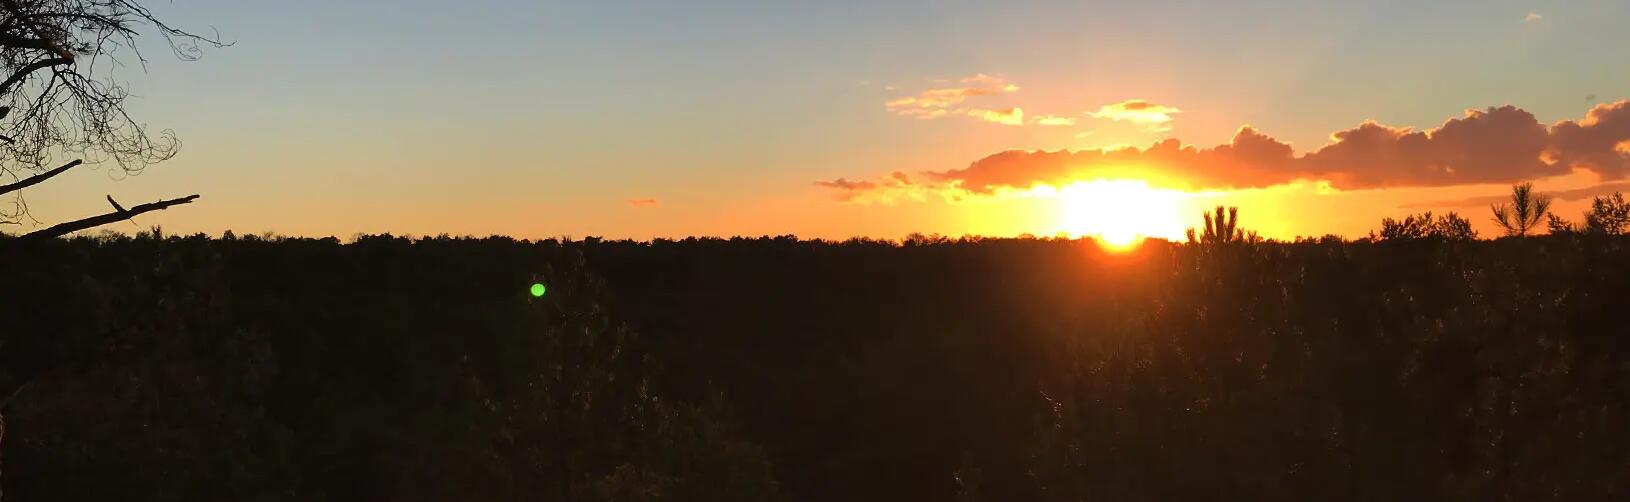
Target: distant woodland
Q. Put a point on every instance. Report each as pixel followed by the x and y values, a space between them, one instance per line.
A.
pixel 1408 367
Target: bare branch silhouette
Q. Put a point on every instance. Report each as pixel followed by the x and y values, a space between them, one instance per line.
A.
pixel 118 214
pixel 61 97
pixel 36 179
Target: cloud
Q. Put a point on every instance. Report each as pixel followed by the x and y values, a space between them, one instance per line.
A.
pixel 1010 116
pixel 642 202
pixel 1499 144
pixel 1138 111
pixel 886 190
pixel 1599 143
pixel 950 101
pixel 940 102
pixel 1502 144
pixel 1532 17
pixel 1251 159
pixel 1052 120
pixel 845 185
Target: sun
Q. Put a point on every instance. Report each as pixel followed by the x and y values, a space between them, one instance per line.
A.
pixel 1120 213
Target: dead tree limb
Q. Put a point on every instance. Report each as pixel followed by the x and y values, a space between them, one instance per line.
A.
pixel 36 179
pixel 66 228
pixel 26 70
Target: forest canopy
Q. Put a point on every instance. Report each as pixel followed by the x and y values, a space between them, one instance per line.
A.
pixel 751 369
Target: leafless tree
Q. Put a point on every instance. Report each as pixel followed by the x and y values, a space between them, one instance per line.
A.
pixel 62 105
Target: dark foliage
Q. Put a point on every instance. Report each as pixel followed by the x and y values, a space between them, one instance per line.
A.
pixel 191 369
pixel 1322 370
pixel 1425 226
pixel 1609 215
pixel 999 369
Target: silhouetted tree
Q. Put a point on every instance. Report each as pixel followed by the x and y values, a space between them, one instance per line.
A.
pixel 60 96
pixel 1447 227
pixel 1558 225
pixel 1608 215
pixel 1221 228
pixel 1411 227
pixel 1523 213
pixel 1453 227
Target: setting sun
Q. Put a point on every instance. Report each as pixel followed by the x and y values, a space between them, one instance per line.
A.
pixel 1119 213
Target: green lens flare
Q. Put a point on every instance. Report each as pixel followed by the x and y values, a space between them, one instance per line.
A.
pixel 538 290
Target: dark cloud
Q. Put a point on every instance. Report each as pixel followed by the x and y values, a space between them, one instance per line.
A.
pixel 1496 145
pixel 642 202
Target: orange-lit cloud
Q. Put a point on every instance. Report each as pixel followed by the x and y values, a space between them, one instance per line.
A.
pixel 1010 116
pixel 1599 143
pixel 642 202
pixel 1485 146
pixel 1053 120
pixel 1251 159
pixel 1532 17
pixel 1496 145
pixel 1156 116
pixel 934 103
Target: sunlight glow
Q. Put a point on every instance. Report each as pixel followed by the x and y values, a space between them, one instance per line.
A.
pixel 1120 213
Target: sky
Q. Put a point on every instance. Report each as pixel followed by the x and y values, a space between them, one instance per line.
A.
pixel 868 118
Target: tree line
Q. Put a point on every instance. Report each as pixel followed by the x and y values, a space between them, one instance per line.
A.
pixel 1520 217
pixel 1232 368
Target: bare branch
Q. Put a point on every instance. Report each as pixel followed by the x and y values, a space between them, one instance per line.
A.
pixel 36 179
pixel 22 73
pixel 62 229
pixel 60 63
